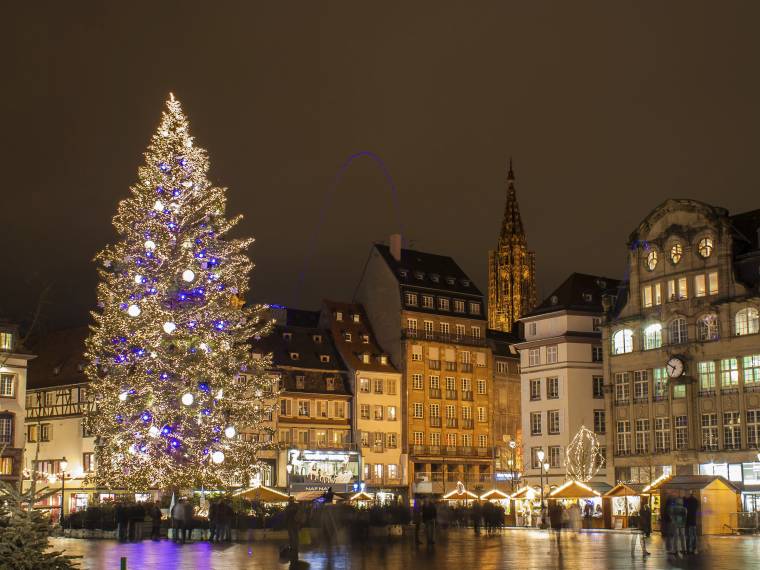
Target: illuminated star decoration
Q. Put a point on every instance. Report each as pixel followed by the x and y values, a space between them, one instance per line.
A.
pixel 584 456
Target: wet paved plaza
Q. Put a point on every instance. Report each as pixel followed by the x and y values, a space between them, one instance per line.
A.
pixel 458 550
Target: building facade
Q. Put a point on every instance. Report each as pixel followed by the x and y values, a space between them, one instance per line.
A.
pixel 430 316
pixel 562 377
pixel 313 424
pixel 14 359
pixel 682 348
pixel 376 404
pixel 511 268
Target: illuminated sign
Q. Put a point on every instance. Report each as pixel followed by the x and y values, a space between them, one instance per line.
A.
pixel 318 469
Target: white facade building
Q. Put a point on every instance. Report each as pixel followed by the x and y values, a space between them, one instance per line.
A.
pixel 561 376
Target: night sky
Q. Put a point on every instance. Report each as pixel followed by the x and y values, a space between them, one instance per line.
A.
pixel 608 108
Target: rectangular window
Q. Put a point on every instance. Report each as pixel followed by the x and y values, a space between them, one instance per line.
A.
pixel 6 341
pixel 551 354
pixel 534 460
pixel 660 378
pixel 392 440
pixel 552 388
pixel 731 430
pixel 31 433
pixel 378 471
pixel 303 408
pixel 662 435
pixel 700 286
pixel 378 385
pixel 532 328
pixel 364 385
pixel 729 373
pixel 623 438
pixel 466 385
pixel 622 388
pixel 646 296
pixel 417 353
pixel 6 465
pixel 392 413
pixel 751 365
pixel 451 439
pixel 419 438
pixel 596 324
pixel 435 383
pixel 481 387
pixel 451 383
pixel 364 411
pixel 417 382
pixel 417 410
pixel 411 299
pixel 482 441
pixel 501 367
pixel 710 432
pixel 340 409
pixel 411 327
pixel 753 428
pixel 552 418
pixel 443 328
pixel 706 373
pixel 534 357
pixel 451 411
pixel 682 432
pixel 555 456
pixel 460 331
pixel 379 412
pixel 640 385
pixel 597 383
pixel 475 332
pixel 458 306
pixel 435 439
pixel 330 384
pixel 642 435
pixel 428 329
pixel 286 407
pixel 391 385
pixel 435 410
pixel 427 301
pixel 535 423
pixel 474 308
pixel 466 412
pixel 88 462
pixel 535 389
pixel 443 303
pixel 600 422
pixel 7 385
pixel 482 414
pixel 712 283
pixel 597 354
pixel 467 440
pixel 6 430
pixel 679 391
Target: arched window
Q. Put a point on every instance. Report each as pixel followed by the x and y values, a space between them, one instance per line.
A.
pixel 653 336
pixel 622 341
pixel 678 331
pixel 705 247
pixel 747 321
pixel 676 252
pixel 652 259
pixel 707 328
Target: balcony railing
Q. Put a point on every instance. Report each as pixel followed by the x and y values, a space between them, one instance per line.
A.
pixel 465 366
pixel 451 366
pixel 434 364
pixel 451 394
pixel 641 400
pixel 467 395
pixel 459 451
pixel 467 424
pixel 752 387
pixel 435 393
pixel 435 422
pixel 730 390
pixel 622 402
pixel 707 393
pixel 451 422
pixel 444 337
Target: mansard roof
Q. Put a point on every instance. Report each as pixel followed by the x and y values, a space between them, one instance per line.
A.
pixel 579 292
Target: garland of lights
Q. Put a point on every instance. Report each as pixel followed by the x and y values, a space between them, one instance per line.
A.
pixel 584 456
pixel 170 367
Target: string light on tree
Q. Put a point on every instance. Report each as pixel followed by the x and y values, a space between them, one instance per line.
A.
pixel 158 379
pixel 584 456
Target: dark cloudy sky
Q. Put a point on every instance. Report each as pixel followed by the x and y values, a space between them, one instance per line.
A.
pixel 607 107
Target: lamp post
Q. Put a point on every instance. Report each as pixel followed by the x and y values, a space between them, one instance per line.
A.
pixel 63 465
pixel 288 470
pixel 512 446
pixel 540 456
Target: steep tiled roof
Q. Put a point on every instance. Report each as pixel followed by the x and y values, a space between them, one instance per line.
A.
pixel 60 359
pixel 579 292
pixel 746 226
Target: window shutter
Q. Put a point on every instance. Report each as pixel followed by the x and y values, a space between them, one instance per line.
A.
pixel 433 353
pixel 450 355
pixel 481 358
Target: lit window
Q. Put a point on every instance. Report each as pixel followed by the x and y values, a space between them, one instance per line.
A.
pixel 653 336
pixel 747 321
pixel 676 252
pixel 356 317
pixel 474 308
pixel 622 341
pixel 729 373
pixel 551 354
pixel 6 341
pixel 411 299
pixel 706 374
pixel 534 357
pixel 705 247
pixel 7 385
pixel 443 303
pixel 678 331
pixel 651 260
pixel 646 296
pixel 751 369
pixel 707 328
pixel 427 301
pixel 417 383
pixel 700 286
pixel 458 306
pixel 535 389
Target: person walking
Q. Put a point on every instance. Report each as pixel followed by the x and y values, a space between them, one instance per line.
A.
pixel 555 518
pixel 678 521
pixel 644 530
pixel 213 520
pixel 666 524
pixel 476 512
pixel 574 519
pixel 187 529
pixel 122 518
pixel 417 519
pixel 155 518
pixel 692 514
pixel 293 523
pixel 429 516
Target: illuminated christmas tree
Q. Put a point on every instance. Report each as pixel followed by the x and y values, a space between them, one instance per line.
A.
pixel 169 361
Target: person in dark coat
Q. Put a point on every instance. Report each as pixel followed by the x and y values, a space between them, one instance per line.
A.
pixel 476 513
pixel 555 518
pixel 213 521
pixel 429 516
pixel 417 519
pixel 122 521
pixel 666 524
pixel 293 522
pixel 155 517
pixel 645 530
pixel 692 514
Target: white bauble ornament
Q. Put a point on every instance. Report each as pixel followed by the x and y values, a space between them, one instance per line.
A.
pixel 169 327
pixel 188 399
pixel 138 279
pixel 123 396
pixel 154 431
pixel 150 245
pixel 217 457
pixel 188 275
pixel 133 311
pixel 230 431
pixel 158 206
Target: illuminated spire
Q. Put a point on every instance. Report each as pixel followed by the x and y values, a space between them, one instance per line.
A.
pixel 512 226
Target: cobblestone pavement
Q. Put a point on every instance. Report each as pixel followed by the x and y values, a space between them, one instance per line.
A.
pixel 458 550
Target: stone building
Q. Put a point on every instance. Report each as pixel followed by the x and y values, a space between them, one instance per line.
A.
pixel 430 316
pixel 682 350
pixel 376 404
pixel 511 268
pixel 562 377
pixel 14 359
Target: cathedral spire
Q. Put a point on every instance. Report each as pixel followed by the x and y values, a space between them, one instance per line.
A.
pixel 512 225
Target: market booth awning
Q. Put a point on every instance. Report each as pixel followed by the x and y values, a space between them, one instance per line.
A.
pixel 654 486
pixel 523 492
pixel 494 494
pixel 263 494
pixel 573 490
pixel 626 490
pixel 361 496
pixel 460 495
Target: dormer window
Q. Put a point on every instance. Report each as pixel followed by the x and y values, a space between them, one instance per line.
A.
pixel 411 299
pixel 435 278
pixel 338 316
pixel 294 356
pixel 324 358
pixel 403 273
pixel 6 341
pixel 330 383
pixel 450 280
pixel 365 358
pixel 347 337
pixel 443 303
pixel 317 338
pixel 419 275
pixel 427 301
pixel 384 360
pixel 365 339
pixel 287 336
pixel 588 297
pixel 458 306
pixel 356 317
pixel 300 382
pixel 465 282
pixel 705 247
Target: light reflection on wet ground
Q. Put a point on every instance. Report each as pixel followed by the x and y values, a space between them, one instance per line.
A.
pixel 458 550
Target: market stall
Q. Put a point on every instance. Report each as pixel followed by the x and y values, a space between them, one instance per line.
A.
pixel 498 497
pixel 362 499
pixel 576 493
pixel 718 500
pixel 652 491
pixel 527 506
pixel 460 496
pixel 623 502
pixel 263 494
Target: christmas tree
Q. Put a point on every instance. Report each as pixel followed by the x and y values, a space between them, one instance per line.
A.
pixel 169 361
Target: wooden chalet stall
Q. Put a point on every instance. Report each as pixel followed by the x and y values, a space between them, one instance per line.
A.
pixel 574 492
pixel 719 500
pixel 622 504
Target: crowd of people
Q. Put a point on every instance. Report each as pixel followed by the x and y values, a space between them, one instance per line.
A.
pixel 131 518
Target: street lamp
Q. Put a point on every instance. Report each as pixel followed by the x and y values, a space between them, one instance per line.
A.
pixel 63 465
pixel 288 469
pixel 512 446
pixel 540 456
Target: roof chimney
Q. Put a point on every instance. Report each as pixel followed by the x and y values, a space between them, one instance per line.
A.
pixel 396 246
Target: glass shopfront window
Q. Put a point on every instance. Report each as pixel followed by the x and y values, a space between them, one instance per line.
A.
pixel 730 471
pixel 751 472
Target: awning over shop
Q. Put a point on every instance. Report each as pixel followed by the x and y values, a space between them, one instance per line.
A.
pixel 625 490
pixel 573 490
pixel 263 494
pixel 524 492
pixel 361 496
pixel 494 494
pixel 654 486
pixel 460 495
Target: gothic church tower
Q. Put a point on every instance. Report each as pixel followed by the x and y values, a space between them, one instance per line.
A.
pixel 511 268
